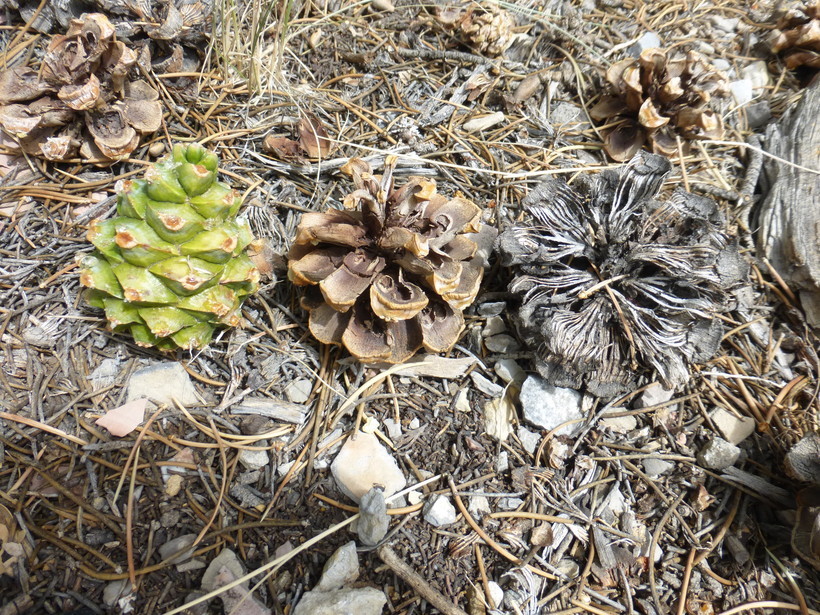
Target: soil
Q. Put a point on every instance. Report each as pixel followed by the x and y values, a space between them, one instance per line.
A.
pixel 573 521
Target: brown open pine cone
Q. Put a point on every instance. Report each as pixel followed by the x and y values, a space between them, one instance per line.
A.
pixel 657 97
pixel 797 36
pixel 394 270
pixel 80 101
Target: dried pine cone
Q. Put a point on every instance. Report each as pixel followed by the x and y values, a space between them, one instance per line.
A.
pixel 485 28
pixel 797 36
pixel 616 285
pixel 81 99
pixel 657 97
pixel 394 271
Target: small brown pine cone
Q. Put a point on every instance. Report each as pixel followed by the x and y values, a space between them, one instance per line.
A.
pixel 392 272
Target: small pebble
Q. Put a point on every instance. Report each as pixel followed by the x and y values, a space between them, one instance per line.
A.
pixel 486 386
pixel 733 428
pixel 478 506
pixel 493 326
pixel 509 370
pixel 374 521
pixel 655 467
pixel 718 454
pixel 255 459
pixel 529 440
pixel 648 40
pixel 341 568
pixel 363 463
pixel 462 403
pixel 174 485
pixel 298 391
pixel 492 308
pixel 502 343
pixel 162 383
pixel 547 407
pixel 439 511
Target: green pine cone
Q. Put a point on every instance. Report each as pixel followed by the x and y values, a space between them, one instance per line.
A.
pixel 172 266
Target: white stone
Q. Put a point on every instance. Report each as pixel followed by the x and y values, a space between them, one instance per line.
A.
pixel 181 545
pixel 393 428
pixel 566 113
pixel 493 326
pixel 298 391
pixel 529 439
pixel 615 501
pixel 734 429
pixel 162 383
pixel 648 40
pixel 341 568
pixel 414 423
pixel 722 65
pixel 619 424
pixel 756 72
pixel 546 406
pixel 656 467
pixel 225 559
pixel 255 459
pixel 348 601
pixel 496 593
pixel 654 395
pixel 462 403
pixel 509 370
pixel 478 506
pixel 440 511
pixel 284 468
pixel 502 343
pixel 498 417
pixel 493 308
pixel 114 590
pixel 502 464
pixel 510 503
pixel 414 497
pixel 364 463
pixel 741 91
pixel 718 454
pixel 486 386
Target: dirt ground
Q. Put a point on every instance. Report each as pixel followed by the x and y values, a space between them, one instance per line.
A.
pixel 576 524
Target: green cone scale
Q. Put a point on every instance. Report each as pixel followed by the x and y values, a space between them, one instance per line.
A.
pixel 172 266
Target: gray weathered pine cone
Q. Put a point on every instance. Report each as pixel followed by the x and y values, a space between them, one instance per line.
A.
pixel 617 286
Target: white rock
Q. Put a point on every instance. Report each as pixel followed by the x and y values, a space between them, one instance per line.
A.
pixel 298 391
pixel 360 601
pixel 383 5
pixel 393 428
pixel 722 65
pixel 462 403
pixel 226 559
pixel 478 506
pixel 718 454
pixel 727 24
pixel 364 463
pixel 284 468
pixel 653 395
pixel 656 467
pixel 161 384
pixel 414 497
pixel 486 386
pixel 529 439
pixel 341 568
pixel 649 40
pixel 756 72
pixel 414 423
pixel 615 501
pixel 566 113
pixel 483 122
pixel 192 564
pixel 741 91
pixel 499 414
pixel 510 503
pixel 180 544
pixel 734 429
pixel 619 424
pixel 546 406
pixel 254 460
pixel 496 593
pixel 509 370
pixel 493 326
pixel 114 590
pixel 502 464
pixel 440 511
pixel 502 343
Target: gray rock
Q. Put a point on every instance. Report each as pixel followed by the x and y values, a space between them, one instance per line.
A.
pixel 758 114
pixel 493 308
pixel 546 406
pixel 529 439
pixel 510 503
pixel 182 545
pixel 253 460
pixel 115 590
pixel 298 391
pixel 341 569
pixel 502 464
pixel 649 40
pixel 226 559
pixel 361 601
pixel 478 506
pixel 566 113
pixel 439 511
pixel 656 467
pixel 374 520
pixel 364 463
pixel 653 395
pixel 162 384
pixel 493 326
pixel 619 424
pixel 486 386
pixel 718 454
pixel 502 343
pixel 509 370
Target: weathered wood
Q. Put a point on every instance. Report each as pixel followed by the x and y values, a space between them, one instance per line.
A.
pixel 789 215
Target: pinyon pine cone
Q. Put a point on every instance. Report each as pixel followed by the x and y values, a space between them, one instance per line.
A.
pixel 616 285
pixel 80 100
pixel 172 266
pixel 394 270
pixel 656 97
pixel 485 28
pixel 797 36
